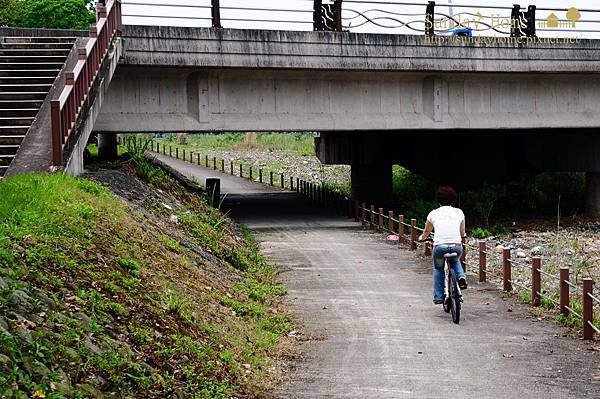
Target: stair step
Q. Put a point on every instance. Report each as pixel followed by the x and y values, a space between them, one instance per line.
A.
pixel 5 160
pixel 27 80
pixel 31 65
pixel 29 72
pixel 20 95
pixel 9 59
pixel 18 112
pixel 9 149
pixel 25 88
pixel 16 104
pixel 14 139
pixel 34 52
pixel 16 121
pixel 37 46
pixel 39 39
pixel 13 130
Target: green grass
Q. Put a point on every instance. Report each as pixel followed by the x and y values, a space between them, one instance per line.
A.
pixel 98 299
pixel 297 143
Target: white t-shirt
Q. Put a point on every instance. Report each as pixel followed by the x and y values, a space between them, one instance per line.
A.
pixel 446 222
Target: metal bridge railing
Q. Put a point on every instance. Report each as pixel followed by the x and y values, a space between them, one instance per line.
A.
pixel 375 16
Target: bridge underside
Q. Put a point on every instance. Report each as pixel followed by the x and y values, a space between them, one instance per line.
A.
pixel 146 99
pixel 465 158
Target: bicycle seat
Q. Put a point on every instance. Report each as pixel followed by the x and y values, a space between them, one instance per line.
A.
pixel 451 255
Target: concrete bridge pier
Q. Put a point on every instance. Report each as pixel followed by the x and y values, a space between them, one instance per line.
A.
pixel 592 195
pixel 107 146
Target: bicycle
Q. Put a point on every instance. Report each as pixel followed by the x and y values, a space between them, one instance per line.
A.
pixel 452 293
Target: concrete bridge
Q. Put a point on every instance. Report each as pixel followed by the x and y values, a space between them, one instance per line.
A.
pixel 477 110
pixel 456 110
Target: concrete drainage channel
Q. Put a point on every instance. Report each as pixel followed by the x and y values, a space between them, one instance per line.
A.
pixel 571 296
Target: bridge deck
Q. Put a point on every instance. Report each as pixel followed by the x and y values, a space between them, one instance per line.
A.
pixel 383 336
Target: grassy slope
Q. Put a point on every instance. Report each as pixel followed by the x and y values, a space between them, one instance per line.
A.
pixel 98 297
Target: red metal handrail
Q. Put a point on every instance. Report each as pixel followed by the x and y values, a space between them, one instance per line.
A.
pixel 78 83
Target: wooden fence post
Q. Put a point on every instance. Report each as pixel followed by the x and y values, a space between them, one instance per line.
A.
pixel 260 175
pixel 400 228
pixel 390 222
pixel 380 214
pixel 482 261
pixel 413 234
pixel 372 216
pixel 536 281
pixel 588 309
pixel 564 291
pixel 507 270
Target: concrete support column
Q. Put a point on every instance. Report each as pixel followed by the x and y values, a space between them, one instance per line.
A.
pixel 592 195
pixel 107 146
pixel 372 183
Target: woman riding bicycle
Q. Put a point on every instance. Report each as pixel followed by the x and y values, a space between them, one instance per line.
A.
pixel 448 223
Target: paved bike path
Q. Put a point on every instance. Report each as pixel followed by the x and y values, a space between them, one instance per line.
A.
pixel 382 337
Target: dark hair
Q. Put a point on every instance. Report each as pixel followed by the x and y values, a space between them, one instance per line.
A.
pixel 445 195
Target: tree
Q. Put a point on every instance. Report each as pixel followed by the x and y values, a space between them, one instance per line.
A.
pixel 10 10
pixel 56 14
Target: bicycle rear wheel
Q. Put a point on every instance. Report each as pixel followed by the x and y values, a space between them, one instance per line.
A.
pixel 454 298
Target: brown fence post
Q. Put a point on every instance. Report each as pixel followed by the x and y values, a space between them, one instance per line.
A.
pixel 380 214
pixel 588 308
pixel 223 165
pixel 197 157
pixel 191 157
pixel 482 261
pixel 177 152
pixel 364 213
pixel 206 161
pixel 356 210
pixel 215 163
pixel 251 175
pixel 241 170
pixel 183 154
pixel 260 175
pixel 400 228
pixel 536 281
pixel 507 270
pixel 282 180
pixel 463 256
pixel 297 184
pixel 390 222
pixel 291 183
pixel 413 234
pixel 170 151
pixel 372 216
pixel 271 178
pixel 564 291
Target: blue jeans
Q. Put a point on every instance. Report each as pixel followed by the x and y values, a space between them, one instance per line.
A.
pixel 438 267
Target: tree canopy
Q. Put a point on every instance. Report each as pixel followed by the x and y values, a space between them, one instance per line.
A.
pixel 10 11
pixel 54 14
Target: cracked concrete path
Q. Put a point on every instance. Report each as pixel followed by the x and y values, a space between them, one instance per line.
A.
pixel 371 302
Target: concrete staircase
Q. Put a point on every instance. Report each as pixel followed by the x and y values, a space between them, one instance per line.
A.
pixel 28 68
